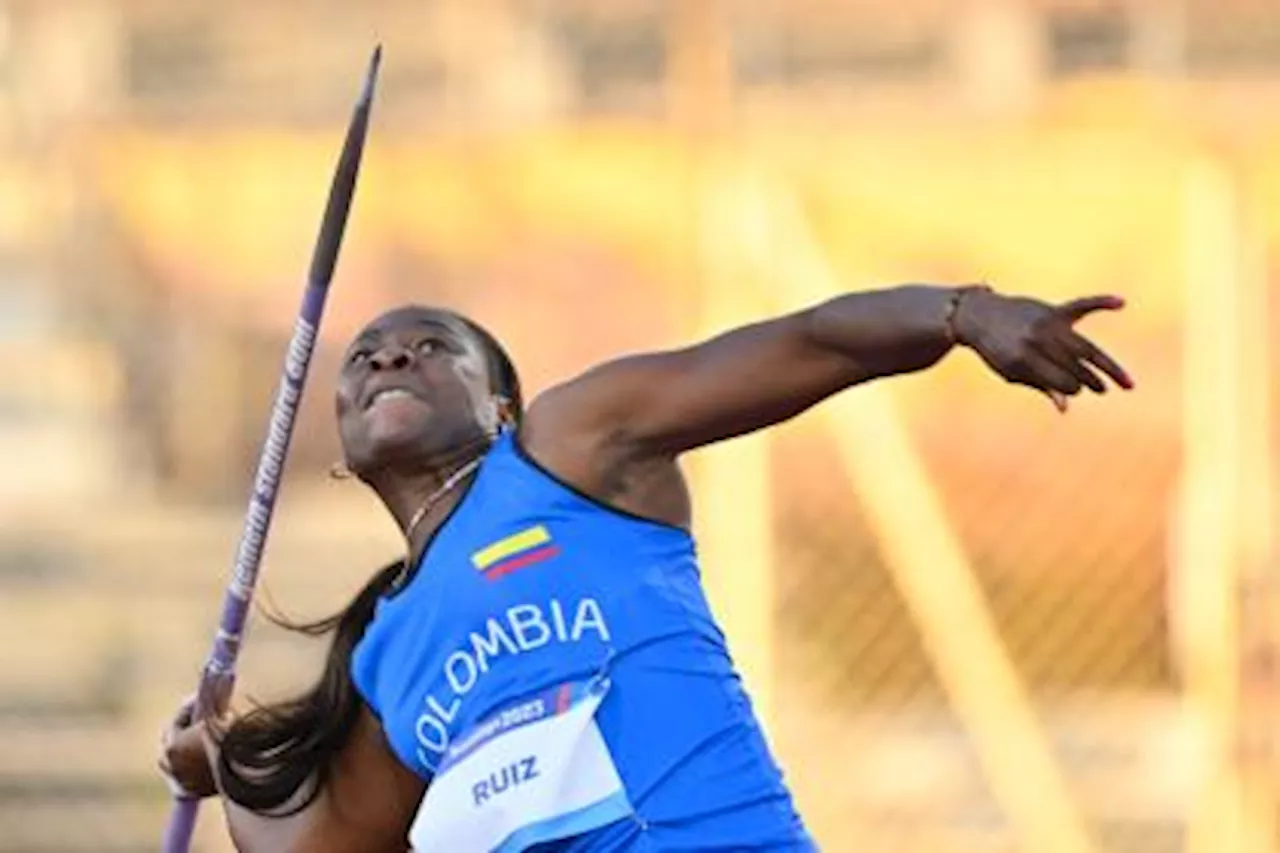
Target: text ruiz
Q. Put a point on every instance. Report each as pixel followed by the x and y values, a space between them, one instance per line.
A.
pixel 522 628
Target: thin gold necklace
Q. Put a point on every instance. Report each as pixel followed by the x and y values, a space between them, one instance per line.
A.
pixel 432 499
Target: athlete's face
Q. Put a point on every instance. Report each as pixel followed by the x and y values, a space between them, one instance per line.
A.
pixel 414 385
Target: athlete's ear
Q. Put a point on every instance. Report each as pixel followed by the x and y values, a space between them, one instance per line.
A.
pixel 504 413
pixel 498 414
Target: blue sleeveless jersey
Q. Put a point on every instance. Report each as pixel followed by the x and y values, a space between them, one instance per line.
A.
pixel 529 584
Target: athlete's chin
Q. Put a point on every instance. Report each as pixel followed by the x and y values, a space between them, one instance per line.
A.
pixel 389 447
pixel 396 427
pixel 387 442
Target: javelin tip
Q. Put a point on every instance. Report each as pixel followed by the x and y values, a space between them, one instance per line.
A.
pixel 344 181
pixel 371 78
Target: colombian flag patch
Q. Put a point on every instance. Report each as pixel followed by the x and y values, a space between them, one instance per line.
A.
pixel 529 546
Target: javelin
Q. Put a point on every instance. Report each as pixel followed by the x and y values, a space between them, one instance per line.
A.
pixel 220 667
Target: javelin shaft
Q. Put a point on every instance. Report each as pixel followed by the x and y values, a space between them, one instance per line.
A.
pixel 266 482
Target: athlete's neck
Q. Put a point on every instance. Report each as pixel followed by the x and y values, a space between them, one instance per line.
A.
pixel 405 489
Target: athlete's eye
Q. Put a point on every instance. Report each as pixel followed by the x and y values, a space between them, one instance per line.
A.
pixel 358 357
pixel 431 346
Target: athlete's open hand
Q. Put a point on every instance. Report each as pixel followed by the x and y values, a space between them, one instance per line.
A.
pixel 1033 343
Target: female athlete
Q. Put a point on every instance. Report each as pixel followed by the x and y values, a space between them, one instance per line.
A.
pixel 543 671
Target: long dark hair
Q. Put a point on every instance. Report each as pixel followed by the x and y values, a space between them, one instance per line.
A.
pixel 267 755
pixel 270 755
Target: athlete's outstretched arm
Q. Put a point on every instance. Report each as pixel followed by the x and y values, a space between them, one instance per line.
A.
pixel 661 404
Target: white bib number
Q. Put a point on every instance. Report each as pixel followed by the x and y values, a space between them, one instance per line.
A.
pixel 534 772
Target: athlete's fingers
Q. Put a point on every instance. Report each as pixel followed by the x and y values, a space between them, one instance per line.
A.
pixel 1048 376
pixel 1061 353
pixel 1058 399
pixel 1094 354
pixel 1077 309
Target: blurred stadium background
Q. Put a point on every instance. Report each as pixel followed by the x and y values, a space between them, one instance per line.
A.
pixel 972 625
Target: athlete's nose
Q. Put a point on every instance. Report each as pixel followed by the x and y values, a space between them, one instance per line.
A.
pixel 393 357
